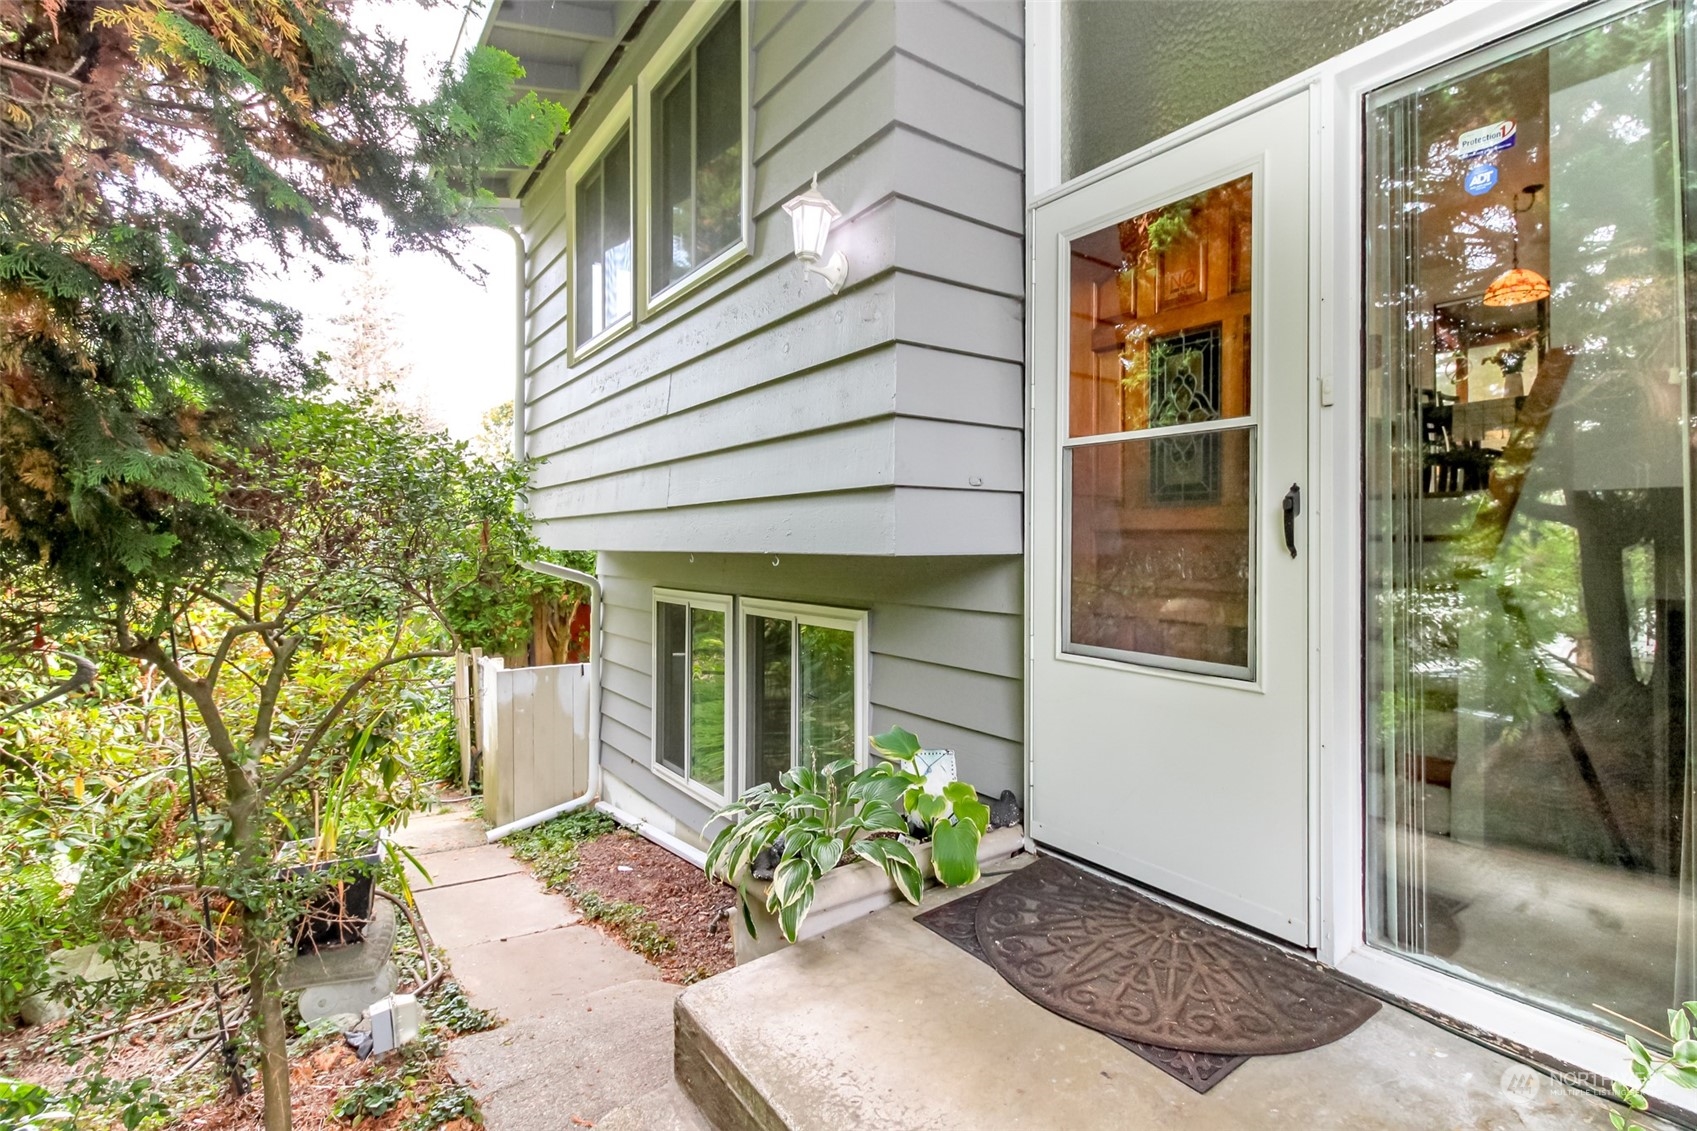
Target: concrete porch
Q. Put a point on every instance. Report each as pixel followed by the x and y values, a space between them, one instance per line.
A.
pixel 883 1024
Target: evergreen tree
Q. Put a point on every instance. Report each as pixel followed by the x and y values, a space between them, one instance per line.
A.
pixel 146 147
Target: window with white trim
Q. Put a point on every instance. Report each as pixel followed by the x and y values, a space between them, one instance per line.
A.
pixel 694 139
pixel 805 698
pixel 604 250
pixel 692 689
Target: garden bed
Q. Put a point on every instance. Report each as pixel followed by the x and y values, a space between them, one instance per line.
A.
pixel 690 910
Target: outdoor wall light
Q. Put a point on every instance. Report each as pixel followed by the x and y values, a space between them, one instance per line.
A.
pixel 811 216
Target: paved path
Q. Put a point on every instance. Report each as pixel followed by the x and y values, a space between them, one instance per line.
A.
pixel 588 1034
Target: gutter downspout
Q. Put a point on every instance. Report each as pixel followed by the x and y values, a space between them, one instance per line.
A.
pixel 520 363
pixel 592 795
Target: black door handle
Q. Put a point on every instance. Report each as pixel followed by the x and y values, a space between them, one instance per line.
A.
pixel 1293 507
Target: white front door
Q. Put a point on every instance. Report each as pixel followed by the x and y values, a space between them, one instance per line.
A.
pixel 1170 549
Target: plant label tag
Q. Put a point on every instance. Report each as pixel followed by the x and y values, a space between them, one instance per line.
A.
pixel 1481 179
pixel 1485 139
pixel 938 766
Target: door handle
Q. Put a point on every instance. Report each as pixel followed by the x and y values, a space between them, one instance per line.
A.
pixel 1293 507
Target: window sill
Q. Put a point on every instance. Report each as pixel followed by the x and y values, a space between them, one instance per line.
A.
pixel 696 279
pixel 694 789
pixel 581 353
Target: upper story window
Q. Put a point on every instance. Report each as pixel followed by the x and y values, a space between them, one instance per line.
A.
pixel 694 118
pixel 603 264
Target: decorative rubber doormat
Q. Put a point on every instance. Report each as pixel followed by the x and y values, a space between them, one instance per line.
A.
pixel 956 921
pixel 1148 975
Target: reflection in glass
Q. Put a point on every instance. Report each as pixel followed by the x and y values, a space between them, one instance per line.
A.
pixel 1159 553
pixel 1156 581
pixel 826 727
pixel 1528 567
pixel 769 715
pixel 707 698
pixel 672 651
pixel 603 283
pixel 698 159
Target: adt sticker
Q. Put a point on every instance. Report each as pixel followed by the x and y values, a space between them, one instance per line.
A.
pixel 1485 139
pixel 1481 179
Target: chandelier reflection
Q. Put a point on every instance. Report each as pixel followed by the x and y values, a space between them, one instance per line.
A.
pixel 1518 284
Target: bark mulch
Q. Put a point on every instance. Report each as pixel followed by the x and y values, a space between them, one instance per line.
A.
pixel 687 907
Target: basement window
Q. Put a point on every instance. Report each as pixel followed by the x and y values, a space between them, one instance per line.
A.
pixel 692 679
pixel 806 687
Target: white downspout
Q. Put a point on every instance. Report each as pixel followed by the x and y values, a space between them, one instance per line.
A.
pixel 520 365
pixel 592 794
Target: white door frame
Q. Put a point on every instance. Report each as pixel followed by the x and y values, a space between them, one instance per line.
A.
pixel 1334 530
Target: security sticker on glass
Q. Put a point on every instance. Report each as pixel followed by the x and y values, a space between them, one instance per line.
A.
pixel 1485 139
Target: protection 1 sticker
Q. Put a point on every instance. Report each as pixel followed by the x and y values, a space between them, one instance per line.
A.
pixel 1485 139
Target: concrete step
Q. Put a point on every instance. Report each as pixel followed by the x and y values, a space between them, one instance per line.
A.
pixel 663 1109
pixel 882 1024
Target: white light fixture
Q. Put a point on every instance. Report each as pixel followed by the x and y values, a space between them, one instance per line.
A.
pixel 811 216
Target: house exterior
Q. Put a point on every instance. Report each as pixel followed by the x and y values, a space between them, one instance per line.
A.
pixel 1249 431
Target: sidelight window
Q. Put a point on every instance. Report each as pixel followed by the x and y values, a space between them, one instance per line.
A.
pixel 1532 810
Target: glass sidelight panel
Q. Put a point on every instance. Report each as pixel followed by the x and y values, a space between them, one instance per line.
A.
pixel 1160 455
pixel 1529 494
pixel 802 692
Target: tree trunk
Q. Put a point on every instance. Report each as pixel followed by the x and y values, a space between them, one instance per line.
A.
pixel 246 828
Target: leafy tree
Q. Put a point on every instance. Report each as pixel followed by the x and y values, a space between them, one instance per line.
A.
pixel 358 514
pixel 147 148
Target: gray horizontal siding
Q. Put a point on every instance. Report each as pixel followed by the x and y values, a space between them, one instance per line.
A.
pixel 945 644
pixel 760 413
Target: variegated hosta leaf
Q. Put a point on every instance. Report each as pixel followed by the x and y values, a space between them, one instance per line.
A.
pixel 905 875
pixel 718 849
pixel 803 802
pixel 788 881
pixel 826 854
pixel 880 817
pixel 791 914
pixel 975 811
pixel 928 807
pixel 954 852
pixel 747 911
pixel 897 744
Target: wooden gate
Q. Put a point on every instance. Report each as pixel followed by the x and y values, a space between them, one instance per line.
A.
pixel 534 737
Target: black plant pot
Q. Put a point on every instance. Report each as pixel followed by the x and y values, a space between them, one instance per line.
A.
pixel 337 913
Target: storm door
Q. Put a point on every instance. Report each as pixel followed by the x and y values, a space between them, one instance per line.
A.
pixel 1170 542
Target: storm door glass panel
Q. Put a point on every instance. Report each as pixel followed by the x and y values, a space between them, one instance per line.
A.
pixel 698 167
pixel 602 210
pixel 826 728
pixel 1528 483
pixel 671 646
pixel 1159 463
pixel 771 723
pixel 707 698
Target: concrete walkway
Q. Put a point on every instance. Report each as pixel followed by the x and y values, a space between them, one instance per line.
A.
pixel 588 1034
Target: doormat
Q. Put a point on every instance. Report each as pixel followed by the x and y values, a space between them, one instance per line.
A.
pixel 1105 956
pixel 956 921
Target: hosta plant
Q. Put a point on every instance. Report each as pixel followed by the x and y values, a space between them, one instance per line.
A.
pixel 820 818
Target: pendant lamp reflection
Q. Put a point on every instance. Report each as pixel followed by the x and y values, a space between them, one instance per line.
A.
pixel 1518 285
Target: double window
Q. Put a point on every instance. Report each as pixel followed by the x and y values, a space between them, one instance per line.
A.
pixel 658 196
pixel 798 672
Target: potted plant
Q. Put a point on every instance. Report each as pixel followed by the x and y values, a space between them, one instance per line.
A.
pixel 333 873
pixel 847 842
